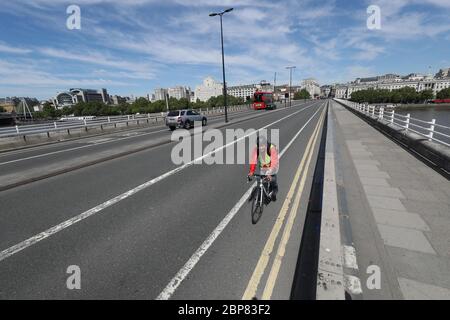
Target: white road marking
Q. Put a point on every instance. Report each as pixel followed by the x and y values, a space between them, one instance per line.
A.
pixel 98 141
pixel 131 134
pixel 170 289
pixel 49 232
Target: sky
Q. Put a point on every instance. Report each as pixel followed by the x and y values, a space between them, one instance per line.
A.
pixel 132 47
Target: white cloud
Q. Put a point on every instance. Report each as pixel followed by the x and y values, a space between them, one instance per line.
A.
pixel 358 71
pixel 134 69
pixel 28 76
pixel 10 49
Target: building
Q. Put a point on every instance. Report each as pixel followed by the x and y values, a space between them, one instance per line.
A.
pixel 209 88
pixel 340 91
pixel 312 86
pixel 77 95
pixel 179 92
pixel 281 91
pixel 414 77
pixel 63 99
pixel 242 91
pixel 248 90
pixel 325 91
pixel 160 94
pixel 8 103
pixel 192 96
pixel 443 73
pixel 89 95
pixel 116 100
pixel 14 104
pixel 394 82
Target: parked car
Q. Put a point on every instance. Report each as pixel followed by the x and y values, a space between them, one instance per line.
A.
pixel 184 119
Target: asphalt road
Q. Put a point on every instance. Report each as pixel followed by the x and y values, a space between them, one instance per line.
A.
pixel 20 160
pixel 131 230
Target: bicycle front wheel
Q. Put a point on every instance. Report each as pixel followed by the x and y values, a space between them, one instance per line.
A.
pixel 257 207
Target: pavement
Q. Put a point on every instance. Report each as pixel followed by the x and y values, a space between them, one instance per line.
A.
pixel 394 212
pixel 141 227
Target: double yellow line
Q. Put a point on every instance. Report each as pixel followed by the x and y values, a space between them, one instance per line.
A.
pixel 253 284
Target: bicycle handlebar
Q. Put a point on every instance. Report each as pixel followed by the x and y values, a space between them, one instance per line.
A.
pixel 264 176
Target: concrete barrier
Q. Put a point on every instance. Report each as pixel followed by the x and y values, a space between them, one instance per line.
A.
pixel 330 273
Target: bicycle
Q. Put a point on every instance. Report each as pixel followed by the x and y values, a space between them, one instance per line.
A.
pixel 261 196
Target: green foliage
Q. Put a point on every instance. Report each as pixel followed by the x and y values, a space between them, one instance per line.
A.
pixel 141 105
pixel 219 101
pixel 302 94
pixel 443 94
pixel 403 95
pixel 48 111
pixel 2 109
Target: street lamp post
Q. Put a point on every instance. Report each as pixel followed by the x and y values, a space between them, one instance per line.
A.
pixel 220 14
pixel 290 82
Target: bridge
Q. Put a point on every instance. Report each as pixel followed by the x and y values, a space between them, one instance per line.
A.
pixel 360 213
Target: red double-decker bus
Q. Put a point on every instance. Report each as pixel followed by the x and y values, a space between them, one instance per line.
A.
pixel 440 101
pixel 263 100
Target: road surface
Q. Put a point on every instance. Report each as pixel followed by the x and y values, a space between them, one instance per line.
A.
pixel 137 229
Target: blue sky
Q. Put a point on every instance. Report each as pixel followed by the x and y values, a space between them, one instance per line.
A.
pixel 132 47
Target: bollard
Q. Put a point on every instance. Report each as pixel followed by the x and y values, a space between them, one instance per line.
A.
pixel 408 116
pixel 392 116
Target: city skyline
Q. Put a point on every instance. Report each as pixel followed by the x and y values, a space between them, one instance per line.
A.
pixel 132 49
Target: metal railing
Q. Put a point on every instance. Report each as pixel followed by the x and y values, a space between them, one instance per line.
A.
pixel 72 123
pixel 427 129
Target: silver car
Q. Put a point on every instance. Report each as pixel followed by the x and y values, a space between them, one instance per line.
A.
pixel 184 119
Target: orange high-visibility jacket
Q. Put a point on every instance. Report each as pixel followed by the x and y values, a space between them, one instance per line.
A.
pixel 264 163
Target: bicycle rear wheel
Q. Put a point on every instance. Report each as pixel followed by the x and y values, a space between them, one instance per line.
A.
pixel 257 207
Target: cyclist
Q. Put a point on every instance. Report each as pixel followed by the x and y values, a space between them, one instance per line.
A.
pixel 265 158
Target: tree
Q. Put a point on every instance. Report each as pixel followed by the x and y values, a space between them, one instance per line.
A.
pixel 158 106
pixel 426 95
pixel 219 101
pixel 443 94
pixel 67 111
pixel 403 95
pixel 2 109
pixel 302 94
pixel 141 105
pixel 49 111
